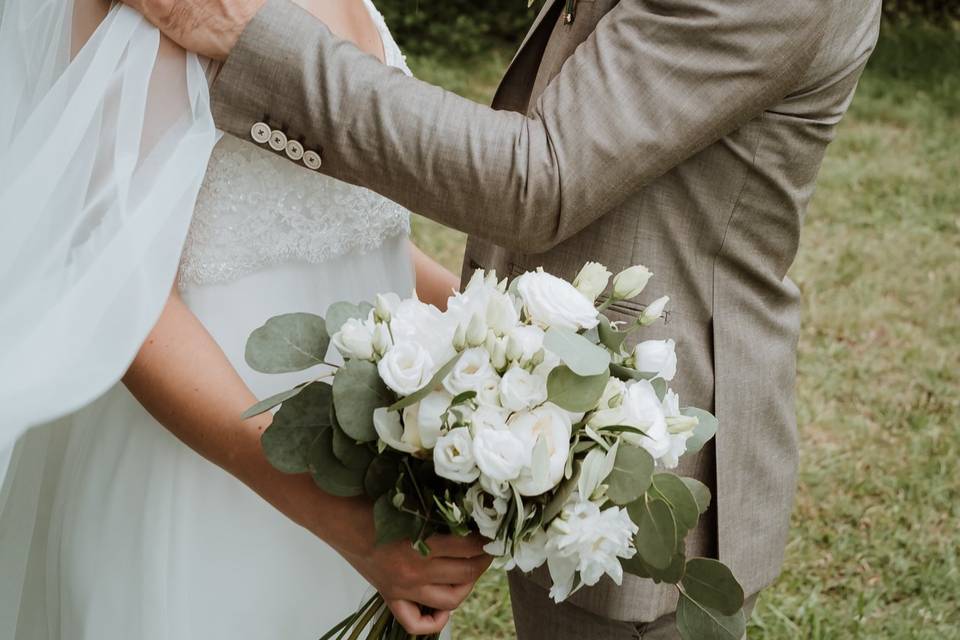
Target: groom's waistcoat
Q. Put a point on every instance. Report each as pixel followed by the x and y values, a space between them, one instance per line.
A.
pixel 719 231
pixel 685 135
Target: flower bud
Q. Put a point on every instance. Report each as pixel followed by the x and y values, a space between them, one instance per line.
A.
pixel 476 330
pixel 514 349
pixel 381 309
pixel 653 311
pixel 381 339
pixel 592 280
pixel 630 282
pixel 460 338
pixel 499 356
pixel 682 424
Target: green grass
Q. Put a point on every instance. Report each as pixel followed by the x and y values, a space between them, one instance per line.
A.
pixel 873 551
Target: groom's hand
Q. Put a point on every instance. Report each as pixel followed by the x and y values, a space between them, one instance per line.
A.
pixel 208 27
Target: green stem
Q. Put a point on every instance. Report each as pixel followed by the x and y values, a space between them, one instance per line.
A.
pixel 376 633
pixel 367 617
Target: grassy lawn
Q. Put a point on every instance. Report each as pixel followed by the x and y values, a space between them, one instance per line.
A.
pixel 873 552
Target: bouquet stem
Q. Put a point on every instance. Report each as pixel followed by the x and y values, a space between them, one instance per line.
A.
pixel 373 621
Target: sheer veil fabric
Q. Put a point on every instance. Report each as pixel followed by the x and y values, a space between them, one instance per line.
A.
pixel 102 154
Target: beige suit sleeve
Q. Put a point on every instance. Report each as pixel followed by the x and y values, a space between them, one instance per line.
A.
pixel 657 81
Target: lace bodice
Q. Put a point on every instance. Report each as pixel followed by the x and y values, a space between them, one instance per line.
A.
pixel 256 209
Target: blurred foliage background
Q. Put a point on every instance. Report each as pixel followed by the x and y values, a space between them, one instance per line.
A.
pixel 874 545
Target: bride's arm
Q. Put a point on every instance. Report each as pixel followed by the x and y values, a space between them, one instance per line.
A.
pixel 182 377
pixel 435 283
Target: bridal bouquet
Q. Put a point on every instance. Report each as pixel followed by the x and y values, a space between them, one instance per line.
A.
pixel 516 413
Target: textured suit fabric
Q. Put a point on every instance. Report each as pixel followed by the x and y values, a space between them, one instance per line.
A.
pixel 685 135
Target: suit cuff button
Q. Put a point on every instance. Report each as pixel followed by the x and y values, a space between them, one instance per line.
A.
pixel 312 160
pixel 260 133
pixel 278 141
pixel 294 150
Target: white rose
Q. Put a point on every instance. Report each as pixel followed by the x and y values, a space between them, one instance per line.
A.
pixel 526 341
pixel 629 283
pixel 658 357
pixel 486 510
pixel 592 280
pixel 453 456
pixel 425 325
pixel 390 429
pixel 552 302
pixel 498 488
pixel 552 426
pixel 471 372
pixel 426 417
pixel 355 339
pixel 406 367
pixel 521 390
pixel 488 417
pixel 500 454
pixel 641 408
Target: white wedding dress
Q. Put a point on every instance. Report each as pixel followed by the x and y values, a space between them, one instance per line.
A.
pixel 113 529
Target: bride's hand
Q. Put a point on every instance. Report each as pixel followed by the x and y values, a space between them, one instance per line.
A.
pixel 440 581
pixel 208 27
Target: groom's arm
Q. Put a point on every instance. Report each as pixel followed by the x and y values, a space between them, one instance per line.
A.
pixel 657 81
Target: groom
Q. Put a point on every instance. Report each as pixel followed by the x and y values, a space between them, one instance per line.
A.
pixel 682 134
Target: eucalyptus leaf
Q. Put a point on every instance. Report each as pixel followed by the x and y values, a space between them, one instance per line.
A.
pixel 705 430
pixel 357 392
pixel 626 373
pixel 354 455
pixel 675 492
pixel 269 403
pixel 382 474
pixel 700 493
pixel 656 538
pixel 391 524
pixel 289 342
pixel 339 312
pixel 435 382
pixel 609 336
pixel 286 442
pixel 660 388
pixel 328 472
pixel 573 392
pixel 579 354
pixel 713 585
pixel 671 575
pixel 696 622
pixel 631 475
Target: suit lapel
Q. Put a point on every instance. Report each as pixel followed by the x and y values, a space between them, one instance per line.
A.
pixel 514 90
pixel 544 10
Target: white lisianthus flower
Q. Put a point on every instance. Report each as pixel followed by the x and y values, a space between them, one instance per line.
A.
pixel 453 456
pixel 471 372
pixel 609 409
pixel 406 367
pixel 482 298
pixel 486 510
pixel 629 283
pixel 641 408
pixel 527 340
pixel 488 417
pixel 381 338
pixel 680 428
pixel 355 339
pixel 425 325
pixel 587 540
pixel 426 417
pixel 658 357
pixel 553 302
pixel 653 311
pixel 500 454
pixel 497 488
pixel 531 552
pixel 552 426
pixel 390 429
pixel 592 280
pixel 521 390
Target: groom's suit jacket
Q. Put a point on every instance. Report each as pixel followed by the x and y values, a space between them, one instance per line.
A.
pixel 685 135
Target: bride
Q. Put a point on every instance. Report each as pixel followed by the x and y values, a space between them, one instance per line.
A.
pixel 121 513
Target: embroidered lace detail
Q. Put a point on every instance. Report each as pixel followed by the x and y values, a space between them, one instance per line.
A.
pixel 256 209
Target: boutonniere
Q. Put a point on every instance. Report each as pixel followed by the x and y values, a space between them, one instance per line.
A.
pixel 569 11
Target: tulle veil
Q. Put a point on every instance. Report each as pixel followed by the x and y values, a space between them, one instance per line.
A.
pixel 102 154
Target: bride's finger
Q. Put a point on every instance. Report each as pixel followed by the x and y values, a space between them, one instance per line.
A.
pixel 456 570
pixel 452 546
pixel 443 597
pixel 417 621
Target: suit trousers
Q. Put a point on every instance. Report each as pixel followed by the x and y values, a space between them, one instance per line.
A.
pixel 537 617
